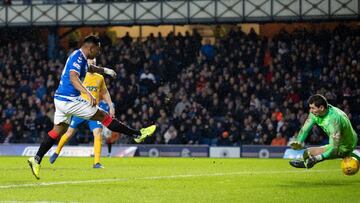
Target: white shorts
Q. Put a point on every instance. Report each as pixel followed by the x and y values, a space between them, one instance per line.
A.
pixel 75 107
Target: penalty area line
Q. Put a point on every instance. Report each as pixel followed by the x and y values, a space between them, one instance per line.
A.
pixel 159 178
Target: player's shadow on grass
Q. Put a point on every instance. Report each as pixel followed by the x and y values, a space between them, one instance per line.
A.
pixel 321 183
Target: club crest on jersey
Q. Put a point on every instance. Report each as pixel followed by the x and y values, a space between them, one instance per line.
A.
pixel 92 88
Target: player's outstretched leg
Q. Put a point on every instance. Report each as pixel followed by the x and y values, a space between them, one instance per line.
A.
pixel 145 132
pixel 115 125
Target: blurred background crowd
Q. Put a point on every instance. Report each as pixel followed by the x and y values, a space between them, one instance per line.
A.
pixel 241 88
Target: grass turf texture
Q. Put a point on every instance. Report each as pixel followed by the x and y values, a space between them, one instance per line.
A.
pixel 176 180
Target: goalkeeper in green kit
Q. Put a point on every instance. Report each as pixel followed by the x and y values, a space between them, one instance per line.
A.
pixel 335 123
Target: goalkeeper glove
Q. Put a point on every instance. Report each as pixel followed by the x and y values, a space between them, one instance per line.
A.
pixel 296 145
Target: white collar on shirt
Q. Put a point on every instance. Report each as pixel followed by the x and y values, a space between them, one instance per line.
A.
pixel 83 54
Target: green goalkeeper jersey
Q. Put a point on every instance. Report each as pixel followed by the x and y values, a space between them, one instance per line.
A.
pixel 336 124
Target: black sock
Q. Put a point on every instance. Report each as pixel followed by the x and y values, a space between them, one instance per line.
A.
pixel 109 148
pixel 119 127
pixel 46 144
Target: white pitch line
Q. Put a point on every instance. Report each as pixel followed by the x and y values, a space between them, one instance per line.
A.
pixel 157 178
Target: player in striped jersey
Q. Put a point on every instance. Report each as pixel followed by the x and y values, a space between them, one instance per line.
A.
pixel 68 102
pixel 95 83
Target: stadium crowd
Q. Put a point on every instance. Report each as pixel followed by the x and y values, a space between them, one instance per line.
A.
pixel 242 89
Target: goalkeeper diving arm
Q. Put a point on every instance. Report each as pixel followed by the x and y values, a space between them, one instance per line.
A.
pixel 303 133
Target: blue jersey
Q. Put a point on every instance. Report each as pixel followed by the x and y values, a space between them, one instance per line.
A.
pixel 78 63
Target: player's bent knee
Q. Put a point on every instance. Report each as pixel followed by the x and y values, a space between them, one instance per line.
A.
pixel 97 132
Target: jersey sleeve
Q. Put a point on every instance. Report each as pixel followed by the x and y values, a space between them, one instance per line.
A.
pixel 102 88
pixel 334 139
pixel 77 63
pixel 103 85
pixel 304 131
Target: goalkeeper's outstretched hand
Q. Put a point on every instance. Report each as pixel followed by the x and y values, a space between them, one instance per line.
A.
pixel 296 145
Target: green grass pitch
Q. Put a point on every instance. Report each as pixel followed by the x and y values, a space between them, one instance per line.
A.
pixel 175 180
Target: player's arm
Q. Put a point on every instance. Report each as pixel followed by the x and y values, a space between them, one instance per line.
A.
pixel 101 70
pixel 107 98
pixel 76 82
pixel 303 133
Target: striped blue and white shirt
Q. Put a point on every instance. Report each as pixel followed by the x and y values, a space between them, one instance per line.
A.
pixel 76 62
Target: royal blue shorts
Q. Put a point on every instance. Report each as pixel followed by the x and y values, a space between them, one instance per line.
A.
pixel 76 121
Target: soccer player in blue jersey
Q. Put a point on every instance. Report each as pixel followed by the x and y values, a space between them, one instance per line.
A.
pixel 68 102
pixel 95 83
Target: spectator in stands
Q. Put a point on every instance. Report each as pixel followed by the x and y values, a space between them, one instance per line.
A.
pixel 193 135
pixel 210 133
pixel 224 139
pixel 279 140
pixel 181 106
pixel 208 50
pixel 171 136
pixel 147 81
pixel 127 39
pixel 7 127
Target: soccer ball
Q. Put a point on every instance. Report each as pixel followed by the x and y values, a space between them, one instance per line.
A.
pixel 350 166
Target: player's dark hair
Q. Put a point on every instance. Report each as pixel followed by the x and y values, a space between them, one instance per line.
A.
pixel 92 39
pixel 318 100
